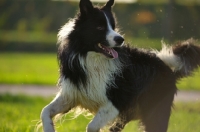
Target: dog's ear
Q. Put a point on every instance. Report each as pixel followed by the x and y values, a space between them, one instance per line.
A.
pixel 109 4
pixel 85 7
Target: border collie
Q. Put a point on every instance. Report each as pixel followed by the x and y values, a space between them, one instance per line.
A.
pixel 116 83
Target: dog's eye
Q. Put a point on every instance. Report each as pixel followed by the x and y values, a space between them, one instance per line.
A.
pixel 101 28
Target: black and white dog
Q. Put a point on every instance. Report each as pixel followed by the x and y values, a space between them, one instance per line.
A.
pixel 116 83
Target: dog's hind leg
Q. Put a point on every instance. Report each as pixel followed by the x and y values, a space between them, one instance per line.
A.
pixel 156 119
pixel 106 114
pixel 58 105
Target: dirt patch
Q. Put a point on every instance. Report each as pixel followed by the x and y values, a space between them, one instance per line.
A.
pixel 50 91
pixel 31 90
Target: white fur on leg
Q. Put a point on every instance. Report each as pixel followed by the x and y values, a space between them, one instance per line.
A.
pixel 106 114
pixel 58 105
pixel 46 120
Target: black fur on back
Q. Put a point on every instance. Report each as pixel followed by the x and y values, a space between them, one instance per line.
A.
pixel 142 72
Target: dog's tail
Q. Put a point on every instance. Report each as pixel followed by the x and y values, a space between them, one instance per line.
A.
pixel 183 58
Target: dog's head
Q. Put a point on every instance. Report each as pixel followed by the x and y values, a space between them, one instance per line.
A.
pixel 95 29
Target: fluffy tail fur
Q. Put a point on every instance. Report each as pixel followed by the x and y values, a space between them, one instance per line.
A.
pixel 183 58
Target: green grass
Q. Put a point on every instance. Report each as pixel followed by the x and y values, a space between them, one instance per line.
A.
pixel 185 118
pixel 190 83
pixel 42 69
pixel 28 68
pixel 21 114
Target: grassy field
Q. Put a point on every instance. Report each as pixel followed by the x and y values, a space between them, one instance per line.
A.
pixel 28 68
pixel 21 114
pixel 42 69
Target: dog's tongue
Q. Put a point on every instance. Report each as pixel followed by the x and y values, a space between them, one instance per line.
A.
pixel 113 52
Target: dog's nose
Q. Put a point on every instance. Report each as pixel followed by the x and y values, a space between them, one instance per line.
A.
pixel 119 40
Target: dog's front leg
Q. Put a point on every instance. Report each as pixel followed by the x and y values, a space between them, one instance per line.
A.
pixel 58 105
pixel 105 115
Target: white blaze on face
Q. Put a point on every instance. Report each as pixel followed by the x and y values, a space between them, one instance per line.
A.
pixel 111 34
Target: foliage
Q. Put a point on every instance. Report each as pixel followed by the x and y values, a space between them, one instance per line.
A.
pixel 34 41
pixel 142 19
pixel 28 37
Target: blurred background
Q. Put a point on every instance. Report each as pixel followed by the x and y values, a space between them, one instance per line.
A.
pixel 28 62
pixel 32 25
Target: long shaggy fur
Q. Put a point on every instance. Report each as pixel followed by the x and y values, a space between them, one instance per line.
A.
pixel 116 83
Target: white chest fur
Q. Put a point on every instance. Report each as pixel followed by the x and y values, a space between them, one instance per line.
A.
pixel 100 72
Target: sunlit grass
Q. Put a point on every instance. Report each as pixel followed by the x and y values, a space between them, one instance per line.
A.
pixel 21 114
pixel 185 117
pixel 190 83
pixel 28 68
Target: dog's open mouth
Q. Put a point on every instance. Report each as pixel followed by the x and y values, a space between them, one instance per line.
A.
pixel 107 51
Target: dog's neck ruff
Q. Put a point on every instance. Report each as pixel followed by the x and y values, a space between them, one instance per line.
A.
pixel 100 72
